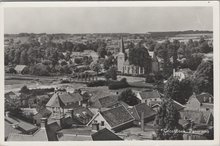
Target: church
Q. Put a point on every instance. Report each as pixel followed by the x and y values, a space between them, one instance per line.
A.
pixel 126 68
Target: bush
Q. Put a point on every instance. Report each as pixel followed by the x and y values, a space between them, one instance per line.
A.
pixel 96 83
pixel 150 78
pixel 118 84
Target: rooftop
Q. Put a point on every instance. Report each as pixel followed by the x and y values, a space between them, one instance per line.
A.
pixel 117 116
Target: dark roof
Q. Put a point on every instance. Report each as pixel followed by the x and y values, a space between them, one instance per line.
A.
pixel 117 116
pixel 105 134
pixel 51 130
pixel 137 110
pixel 150 94
pixel 11 95
pixel 107 101
pixel 61 99
pixel 204 97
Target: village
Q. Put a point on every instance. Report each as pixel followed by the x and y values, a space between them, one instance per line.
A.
pixel 97 87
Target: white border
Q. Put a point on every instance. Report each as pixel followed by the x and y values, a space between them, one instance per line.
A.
pixel 214 4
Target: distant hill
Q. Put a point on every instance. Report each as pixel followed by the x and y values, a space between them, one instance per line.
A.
pixel 159 35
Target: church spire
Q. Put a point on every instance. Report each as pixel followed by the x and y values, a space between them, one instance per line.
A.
pixel 122 49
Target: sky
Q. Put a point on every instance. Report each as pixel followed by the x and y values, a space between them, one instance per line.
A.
pixel 107 19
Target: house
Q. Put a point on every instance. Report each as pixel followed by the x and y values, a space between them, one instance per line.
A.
pixel 198 118
pixel 47 132
pixel 201 102
pixel 150 97
pixel 64 99
pixel 148 113
pixel 115 119
pixel 106 102
pixel 177 105
pixel 20 68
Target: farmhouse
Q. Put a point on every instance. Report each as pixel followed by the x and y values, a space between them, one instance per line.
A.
pixel 150 97
pixel 201 102
pixel 115 119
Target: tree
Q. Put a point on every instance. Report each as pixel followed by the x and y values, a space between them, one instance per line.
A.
pixel 203 78
pixel 109 62
pixel 192 62
pixel 24 57
pixel 102 52
pixel 40 70
pixel 95 66
pixel 139 56
pixel 111 73
pixel 179 91
pixel 176 46
pixel 167 122
pixel 129 97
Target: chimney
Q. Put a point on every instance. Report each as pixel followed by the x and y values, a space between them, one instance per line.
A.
pixel 95 126
pixel 43 123
pixel 142 121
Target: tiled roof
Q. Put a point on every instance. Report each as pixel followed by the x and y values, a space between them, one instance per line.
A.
pixel 11 95
pixel 150 94
pixel 142 107
pixel 117 116
pixel 55 101
pixel 61 99
pixel 107 101
pixel 105 134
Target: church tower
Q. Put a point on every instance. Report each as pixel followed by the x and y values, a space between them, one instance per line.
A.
pixel 121 57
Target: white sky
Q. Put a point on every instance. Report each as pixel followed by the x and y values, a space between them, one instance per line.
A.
pixel 107 20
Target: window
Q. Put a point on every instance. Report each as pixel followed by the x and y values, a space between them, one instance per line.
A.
pixel 102 123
